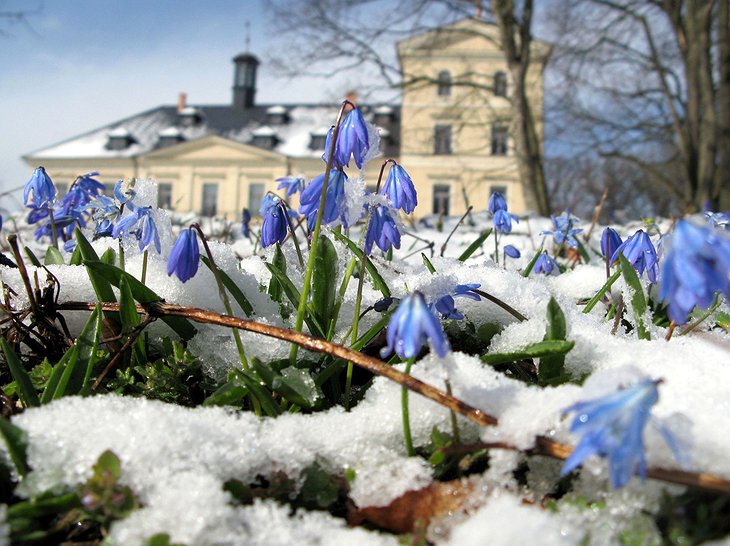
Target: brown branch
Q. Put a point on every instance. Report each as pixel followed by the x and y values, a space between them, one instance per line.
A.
pixel 543 445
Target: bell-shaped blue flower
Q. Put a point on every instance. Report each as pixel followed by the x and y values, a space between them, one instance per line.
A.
pixel 641 254
pixel 274 226
pixel 382 230
pixel 140 224
pixel 446 304
pixel 563 229
pixel 400 190
pixel 352 141
pixel 610 241
pixel 413 325
pixel 89 185
pixel 185 256
pixel 246 223
pixel 697 266
pixel 503 221
pixel 292 184
pixel 546 265
pixel 511 251
pixel 613 427
pixel 334 206
pixel 719 219
pixel 39 191
pixel 496 202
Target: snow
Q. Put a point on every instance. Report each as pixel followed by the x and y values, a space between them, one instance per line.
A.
pixel 177 459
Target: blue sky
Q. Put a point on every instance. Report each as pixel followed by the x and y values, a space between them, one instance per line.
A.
pixel 80 64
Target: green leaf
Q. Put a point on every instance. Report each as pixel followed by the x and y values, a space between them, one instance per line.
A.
pixel 373 331
pixel 76 258
pixel 32 257
pixel 82 359
pixel 472 248
pixel 56 373
pixel 53 256
pixel 297 385
pixel 535 350
pixel 26 390
pixel 130 320
pixel 552 367
pixel 109 256
pixel 46 505
pixel 606 286
pixel 232 393
pixel 528 269
pixel 428 264
pixel 319 488
pixel 378 281
pixel 17 445
pixel 108 468
pixel 268 404
pixel 141 293
pixel 324 273
pixel 67 367
pixel 102 286
pixel 293 295
pixel 638 301
pixel 279 260
pixel 232 288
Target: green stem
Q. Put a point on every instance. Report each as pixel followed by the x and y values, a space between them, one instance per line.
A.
pixel 54 235
pixel 406 417
pixel 454 423
pixel 703 317
pixel 595 299
pixel 121 256
pixel 144 267
pixel 304 297
pixel 496 247
pixel 293 234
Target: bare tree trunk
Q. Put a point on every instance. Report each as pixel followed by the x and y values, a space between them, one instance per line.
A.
pixel 721 188
pixel 516 40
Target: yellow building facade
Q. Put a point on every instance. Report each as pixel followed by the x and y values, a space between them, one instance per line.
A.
pixel 451 133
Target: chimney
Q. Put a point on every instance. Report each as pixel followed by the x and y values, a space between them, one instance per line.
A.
pixel 182 101
pixel 244 81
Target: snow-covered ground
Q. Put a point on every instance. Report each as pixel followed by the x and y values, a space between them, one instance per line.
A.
pixel 178 459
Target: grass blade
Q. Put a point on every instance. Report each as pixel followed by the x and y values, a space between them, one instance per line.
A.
pixel 378 281
pixel 476 243
pixel 26 390
pixel 232 288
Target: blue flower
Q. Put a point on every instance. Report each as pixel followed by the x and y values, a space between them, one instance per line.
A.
pixel 105 213
pixel 39 191
pixel 696 267
pixel 610 241
pixel 352 140
pixel 292 184
pixel 334 206
pixel 123 192
pixel 613 427
pixel 400 190
pixel 140 224
pixel 496 202
pixel 719 219
pixel 382 230
pixel 411 326
pixel 185 256
pixel 446 305
pixel 546 265
pixel 641 254
pixel 511 251
pixel 563 231
pixel 503 221
pixel 274 226
pixel 89 185
pixel 245 223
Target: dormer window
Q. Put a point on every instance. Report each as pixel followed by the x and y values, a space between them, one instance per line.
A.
pixel 383 115
pixel 169 137
pixel 265 137
pixel 190 116
pixel 444 83
pixel 119 139
pixel 318 139
pixel 500 84
pixel 277 115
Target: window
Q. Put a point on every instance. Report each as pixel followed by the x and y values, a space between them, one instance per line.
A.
pixel 444 83
pixel 500 84
pixel 441 199
pixel 499 140
pixel 317 141
pixel 442 140
pixel 164 195
pixel 210 199
pixel 255 197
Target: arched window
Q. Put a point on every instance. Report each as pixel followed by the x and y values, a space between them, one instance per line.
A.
pixel 444 83
pixel 500 84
